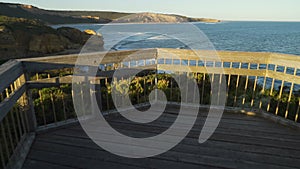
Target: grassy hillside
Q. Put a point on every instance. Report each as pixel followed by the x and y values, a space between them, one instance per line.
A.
pixel 49 17
pixel 101 14
pixel 21 38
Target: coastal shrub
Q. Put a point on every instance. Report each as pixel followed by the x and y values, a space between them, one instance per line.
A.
pixel 59 99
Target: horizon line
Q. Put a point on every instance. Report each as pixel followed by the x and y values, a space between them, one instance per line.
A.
pixel 117 11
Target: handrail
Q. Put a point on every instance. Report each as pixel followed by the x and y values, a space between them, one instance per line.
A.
pixel 38 90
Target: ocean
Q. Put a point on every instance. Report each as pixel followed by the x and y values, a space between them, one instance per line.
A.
pixel 280 37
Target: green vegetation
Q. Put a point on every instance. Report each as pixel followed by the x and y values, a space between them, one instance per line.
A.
pixel 22 24
pixel 101 14
pixel 21 38
pixel 49 17
pixel 58 100
pixel 53 104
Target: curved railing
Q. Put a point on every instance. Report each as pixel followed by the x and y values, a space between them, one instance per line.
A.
pixel 36 94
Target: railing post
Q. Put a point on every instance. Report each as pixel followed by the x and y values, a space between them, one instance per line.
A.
pixel 32 124
pixel 30 113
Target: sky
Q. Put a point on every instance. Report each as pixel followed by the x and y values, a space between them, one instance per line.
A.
pixel 264 10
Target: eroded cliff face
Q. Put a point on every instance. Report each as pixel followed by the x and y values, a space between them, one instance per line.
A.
pixel 21 38
pixel 160 18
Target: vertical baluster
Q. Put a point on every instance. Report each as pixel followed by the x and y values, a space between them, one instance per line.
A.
pixel 18 121
pixel 228 87
pixel 7 122
pixel 29 113
pixel 82 99
pixel 156 81
pixel 64 105
pixel 9 133
pixel 236 90
pixel 203 87
pixel 298 109
pixel 271 93
pixel 245 91
pixel 7 93
pixel 14 125
pixel 195 86
pixel 11 91
pixel 15 85
pixel 144 79
pixel 5 141
pixel 19 82
pixel 280 93
pixel 23 123
pixel 2 157
pixel 138 93
pixel 93 96
pixel 30 126
pixel 212 76
pixel 263 90
pixel 290 94
pixel 219 89
pixel 236 87
pixel 246 87
pixel 253 92
pixel 228 82
pixel 179 81
pixel 289 100
pixel 279 97
pixel 37 76
pixel 187 87
pixel 43 107
pixel 72 95
pixel 23 79
pixel 6 119
pixel 107 100
pixel 53 107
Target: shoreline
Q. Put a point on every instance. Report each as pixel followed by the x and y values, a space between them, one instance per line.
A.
pixel 134 23
pixel 162 23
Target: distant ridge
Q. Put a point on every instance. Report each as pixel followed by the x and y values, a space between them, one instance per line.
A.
pixel 72 17
pixel 160 18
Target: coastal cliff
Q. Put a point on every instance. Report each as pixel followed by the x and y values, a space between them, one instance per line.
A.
pixel 21 38
pixel 72 17
pixel 160 18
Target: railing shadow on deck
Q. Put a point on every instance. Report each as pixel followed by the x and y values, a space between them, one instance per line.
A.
pixel 36 94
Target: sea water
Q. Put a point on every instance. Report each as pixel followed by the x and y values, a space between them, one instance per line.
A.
pixel 280 37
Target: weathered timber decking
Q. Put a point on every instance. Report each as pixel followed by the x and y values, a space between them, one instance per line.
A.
pixel 240 141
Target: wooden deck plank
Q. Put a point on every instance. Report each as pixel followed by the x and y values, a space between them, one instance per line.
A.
pixel 221 157
pixel 34 164
pixel 256 137
pixel 238 126
pixel 289 160
pixel 98 154
pixel 220 145
pixel 73 161
pixel 239 142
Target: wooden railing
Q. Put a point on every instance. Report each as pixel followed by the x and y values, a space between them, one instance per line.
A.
pixel 16 118
pixel 273 79
pixel 36 94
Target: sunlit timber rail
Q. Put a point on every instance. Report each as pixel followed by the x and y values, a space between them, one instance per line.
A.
pixel 36 94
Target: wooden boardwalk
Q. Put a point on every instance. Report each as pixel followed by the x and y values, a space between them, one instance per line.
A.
pixel 240 141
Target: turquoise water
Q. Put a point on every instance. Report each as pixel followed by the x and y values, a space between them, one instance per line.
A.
pixel 281 37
